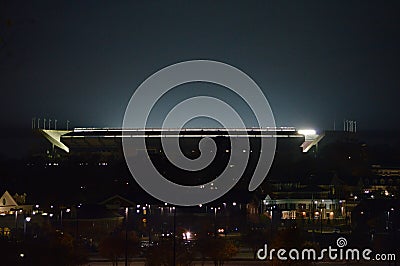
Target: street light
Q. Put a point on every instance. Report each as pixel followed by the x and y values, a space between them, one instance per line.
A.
pixel 187 235
pixel 215 219
pixel 61 216
pixel 26 220
pixel 16 210
pixel 321 218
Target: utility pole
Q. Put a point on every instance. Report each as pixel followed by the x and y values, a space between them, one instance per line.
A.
pixel 174 255
pixel 126 236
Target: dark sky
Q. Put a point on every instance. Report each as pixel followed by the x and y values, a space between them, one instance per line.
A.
pixel 315 60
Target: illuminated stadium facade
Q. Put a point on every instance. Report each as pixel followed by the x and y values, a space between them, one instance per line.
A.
pixel 109 139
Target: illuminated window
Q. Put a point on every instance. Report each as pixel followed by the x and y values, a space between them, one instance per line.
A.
pixel 288 215
pixel 6 231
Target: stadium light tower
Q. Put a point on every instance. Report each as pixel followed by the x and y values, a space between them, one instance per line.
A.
pixel 307 132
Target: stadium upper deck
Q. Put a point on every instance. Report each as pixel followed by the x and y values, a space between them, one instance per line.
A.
pixel 80 138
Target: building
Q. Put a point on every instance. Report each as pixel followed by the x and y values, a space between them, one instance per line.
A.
pixel 10 204
pixel 13 213
pixel 108 140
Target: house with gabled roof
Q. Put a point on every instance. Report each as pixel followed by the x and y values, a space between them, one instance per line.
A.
pixel 8 204
pixel 116 202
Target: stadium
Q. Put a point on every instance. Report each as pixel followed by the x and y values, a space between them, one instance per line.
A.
pixel 109 139
pixel 90 163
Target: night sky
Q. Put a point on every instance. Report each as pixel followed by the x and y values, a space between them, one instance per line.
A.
pixel 316 61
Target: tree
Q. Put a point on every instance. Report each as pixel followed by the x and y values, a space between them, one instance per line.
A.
pixel 160 254
pixel 114 246
pixel 288 239
pixel 53 248
pixel 221 250
pixel 255 239
pixel 217 249
pixel 163 253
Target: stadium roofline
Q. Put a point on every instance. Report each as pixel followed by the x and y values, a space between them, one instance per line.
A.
pixel 55 136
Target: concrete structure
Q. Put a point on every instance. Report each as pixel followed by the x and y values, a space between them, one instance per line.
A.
pixel 111 137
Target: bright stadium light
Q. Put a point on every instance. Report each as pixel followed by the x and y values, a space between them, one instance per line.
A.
pixel 307 132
